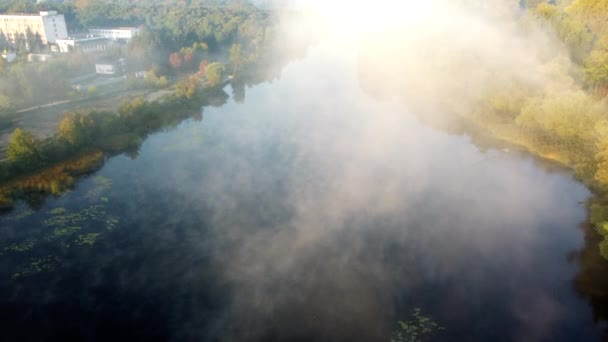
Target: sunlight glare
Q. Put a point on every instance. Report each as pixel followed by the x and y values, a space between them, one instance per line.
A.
pixel 378 15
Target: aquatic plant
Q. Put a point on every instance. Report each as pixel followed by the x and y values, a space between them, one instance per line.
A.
pixel 101 184
pixel 67 231
pixel 417 329
pixel 87 239
pixel 62 218
pixel 21 246
pixel 20 214
pixel 111 223
pixel 37 265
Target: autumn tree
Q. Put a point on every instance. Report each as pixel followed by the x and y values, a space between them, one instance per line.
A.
pixel 187 87
pixel 202 68
pixel 77 129
pixel 569 116
pixel 175 59
pixel 596 68
pixel 593 12
pixel 601 156
pixel 24 149
pixel 215 74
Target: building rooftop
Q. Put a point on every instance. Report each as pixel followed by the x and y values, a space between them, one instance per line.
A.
pixel 40 14
pixel 114 28
pixel 83 38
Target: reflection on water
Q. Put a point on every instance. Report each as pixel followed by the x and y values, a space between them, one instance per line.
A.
pixel 311 211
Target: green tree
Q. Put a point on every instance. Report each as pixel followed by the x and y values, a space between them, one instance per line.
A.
pixel 6 106
pixel 24 149
pixel 215 74
pixel 596 68
pixel 77 129
pixel 91 91
pixel 187 87
pixel 236 57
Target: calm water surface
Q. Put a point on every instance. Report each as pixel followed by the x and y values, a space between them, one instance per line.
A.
pixel 309 212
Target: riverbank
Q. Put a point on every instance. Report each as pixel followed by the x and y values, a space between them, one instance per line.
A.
pixel 67 154
pixel 581 165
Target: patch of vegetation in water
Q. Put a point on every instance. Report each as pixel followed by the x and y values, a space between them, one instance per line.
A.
pixel 23 246
pixel 111 223
pixel 67 231
pixel 20 214
pixel 417 328
pixel 87 239
pixel 62 218
pixel 58 211
pixel 102 184
pixel 38 265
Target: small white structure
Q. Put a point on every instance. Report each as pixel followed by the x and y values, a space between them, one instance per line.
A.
pixel 86 44
pixel 105 68
pixel 108 66
pixel 38 57
pixel 9 56
pixel 116 33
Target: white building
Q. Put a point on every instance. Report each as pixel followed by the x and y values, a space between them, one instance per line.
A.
pixel 86 44
pixel 115 33
pixel 49 25
pixel 38 57
pixel 9 56
pixel 105 68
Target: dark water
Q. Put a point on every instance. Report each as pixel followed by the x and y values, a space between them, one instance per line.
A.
pixel 311 212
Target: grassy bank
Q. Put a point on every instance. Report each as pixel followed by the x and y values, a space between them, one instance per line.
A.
pixel 53 180
pixel 84 138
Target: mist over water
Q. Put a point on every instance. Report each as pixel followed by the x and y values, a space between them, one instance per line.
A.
pixel 316 210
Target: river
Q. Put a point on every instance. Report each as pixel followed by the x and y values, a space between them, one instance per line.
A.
pixel 308 211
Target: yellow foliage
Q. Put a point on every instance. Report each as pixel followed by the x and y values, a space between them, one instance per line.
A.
pixel 53 180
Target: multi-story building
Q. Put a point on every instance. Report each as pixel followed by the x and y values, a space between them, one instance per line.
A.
pixel 115 33
pixel 49 26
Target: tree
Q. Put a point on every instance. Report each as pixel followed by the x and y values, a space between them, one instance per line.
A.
pixel 23 149
pixel 569 115
pixel 236 57
pixel 91 91
pixel 33 41
pixel 215 74
pixel 596 68
pixel 77 129
pixel 6 106
pixel 202 68
pixel 601 156
pixel 175 59
pixel 187 87
pixel 593 12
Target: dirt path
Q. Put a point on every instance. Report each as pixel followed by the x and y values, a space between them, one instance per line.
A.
pixel 52 104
